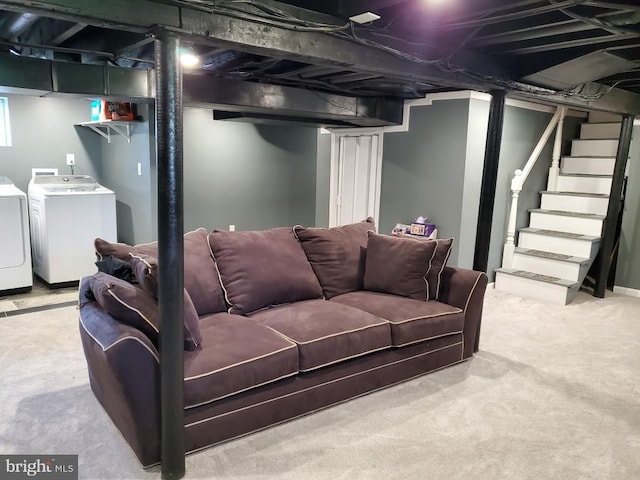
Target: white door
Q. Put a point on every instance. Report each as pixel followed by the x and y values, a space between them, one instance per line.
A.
pixel 356 168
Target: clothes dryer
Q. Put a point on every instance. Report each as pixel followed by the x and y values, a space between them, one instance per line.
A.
pixel 15 247
pixel 66 214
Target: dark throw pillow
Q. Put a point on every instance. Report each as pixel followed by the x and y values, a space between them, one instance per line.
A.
pixel 200 274
pixel 440 258
pixel 398 266
pixel 132 305
pixel 337 255
pixel 116 267
pixel 260 269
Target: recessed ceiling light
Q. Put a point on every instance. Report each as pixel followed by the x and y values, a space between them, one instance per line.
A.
pixel 365 17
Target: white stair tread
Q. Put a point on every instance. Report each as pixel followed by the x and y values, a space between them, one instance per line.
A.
pixel 551 256
pixel 585 175
pixel 596 139
pixel 555 233
pixel 564 213
pixel 576 194
pixel 538 278
pixel 604 157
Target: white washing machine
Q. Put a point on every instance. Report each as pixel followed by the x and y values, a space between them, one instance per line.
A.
pixel 67 213
pixel 15 249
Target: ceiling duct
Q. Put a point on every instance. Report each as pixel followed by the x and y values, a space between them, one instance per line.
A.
pixel 577 71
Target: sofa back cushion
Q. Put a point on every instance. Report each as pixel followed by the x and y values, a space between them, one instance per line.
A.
pixel 398 266
pixel 337 255
pixel 440 257
pixel 200 275
pixel 132 305
pixel 259 269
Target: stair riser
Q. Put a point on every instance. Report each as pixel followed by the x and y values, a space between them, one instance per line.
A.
pixel 565 246
pixel 579 204
pixel 524 287
pixel 604 117
pixel 584 184
pixel 594 148
pixel 588 166
pixel 599 130
pixel 553 268
pixel 560 223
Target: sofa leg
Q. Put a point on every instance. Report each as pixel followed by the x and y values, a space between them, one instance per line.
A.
pixel 476 345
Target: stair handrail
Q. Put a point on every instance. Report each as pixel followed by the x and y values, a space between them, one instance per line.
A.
pixel 520 176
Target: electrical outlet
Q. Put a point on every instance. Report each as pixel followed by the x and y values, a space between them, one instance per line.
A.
pixel 139 168
pixel 232 228
pixel 71 159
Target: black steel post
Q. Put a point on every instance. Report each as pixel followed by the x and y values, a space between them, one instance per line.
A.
pixel 170 253
pixel 489 179
pixel 488 187
pixel 613 210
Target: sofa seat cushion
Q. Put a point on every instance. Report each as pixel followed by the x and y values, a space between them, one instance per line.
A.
pixel 238 354
pixel 411 321
pixel 327 332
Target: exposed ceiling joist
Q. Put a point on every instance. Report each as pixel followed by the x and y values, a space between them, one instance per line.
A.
pixel 241 31
pixel 611 40
pixel 68 33
pixel 548 30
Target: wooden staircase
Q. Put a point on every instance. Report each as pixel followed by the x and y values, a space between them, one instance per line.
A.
pixel 554 254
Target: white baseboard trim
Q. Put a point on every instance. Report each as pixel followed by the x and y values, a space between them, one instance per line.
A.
pixel 491 285
pixel 631 292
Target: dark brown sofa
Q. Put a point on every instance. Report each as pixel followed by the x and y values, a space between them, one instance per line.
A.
pixel 291 345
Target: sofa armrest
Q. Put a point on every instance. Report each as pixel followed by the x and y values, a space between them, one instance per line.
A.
pixel 465 289
pixel 124 376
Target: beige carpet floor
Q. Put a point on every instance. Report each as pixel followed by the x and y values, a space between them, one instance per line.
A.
pixel 554 393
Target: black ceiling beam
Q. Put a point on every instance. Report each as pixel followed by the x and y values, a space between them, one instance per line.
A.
pixel 351 77
pixel 135 46
pixel 547 30
pixel 252 37
pixel 525 13
pixel 615 6
pixel 68 33
pixel 311 47
pixel 613 40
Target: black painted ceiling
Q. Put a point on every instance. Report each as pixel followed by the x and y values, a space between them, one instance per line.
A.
pixel 561 45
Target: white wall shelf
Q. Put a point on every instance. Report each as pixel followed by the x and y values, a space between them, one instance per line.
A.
pixel 105 127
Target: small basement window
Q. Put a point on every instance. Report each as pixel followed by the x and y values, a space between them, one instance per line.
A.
pixel 5 128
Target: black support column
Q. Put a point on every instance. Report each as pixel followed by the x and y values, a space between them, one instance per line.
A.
pixel 170 253
pixel 488 188
pixel 613 210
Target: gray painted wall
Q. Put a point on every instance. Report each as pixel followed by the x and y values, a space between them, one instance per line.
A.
pixel 251 176
pixel 423 170
pixel 323 180
pixel 628 267
pixel 521 132
pixel 43 132
pixel 133 192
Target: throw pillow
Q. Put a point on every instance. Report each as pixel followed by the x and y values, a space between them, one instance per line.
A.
pixel 262 269
pixel 398 266
pixel 337 255
pixel 145 270
pixel 133 306
pixel 443 250
pixel 200 274
pixel 116 267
